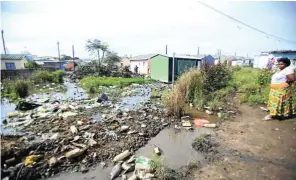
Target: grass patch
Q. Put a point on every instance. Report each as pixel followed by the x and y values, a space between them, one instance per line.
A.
pixel 92 83
pixel 207 86
pixel 47 76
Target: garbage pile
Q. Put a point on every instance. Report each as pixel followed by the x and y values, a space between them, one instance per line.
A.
pixel 62 136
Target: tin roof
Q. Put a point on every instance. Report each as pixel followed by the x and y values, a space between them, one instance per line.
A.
pixel 143 57
pixel 16 56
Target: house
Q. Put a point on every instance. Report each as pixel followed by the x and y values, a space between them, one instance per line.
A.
pixel 51 64
pixel 142 62
pixel 125 61
pixel 221 58
pixel 261 61
pixel 14 61
pixel 162 65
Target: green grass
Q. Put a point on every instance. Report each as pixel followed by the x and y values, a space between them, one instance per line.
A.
pixel 47 76
pixel 93 83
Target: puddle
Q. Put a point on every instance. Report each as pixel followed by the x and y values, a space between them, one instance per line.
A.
pixel 194 113
pixel 176 149
pixel 131 102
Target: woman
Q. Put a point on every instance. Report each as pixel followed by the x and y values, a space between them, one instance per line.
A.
pixel 280 103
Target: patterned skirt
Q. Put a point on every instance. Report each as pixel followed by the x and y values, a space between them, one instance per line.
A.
pixel 280 101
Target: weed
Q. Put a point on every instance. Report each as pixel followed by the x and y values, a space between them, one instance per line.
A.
pixel 21 88
pixel 158 166
pixel 46 76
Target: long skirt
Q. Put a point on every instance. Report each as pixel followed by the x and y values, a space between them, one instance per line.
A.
pixel 280 102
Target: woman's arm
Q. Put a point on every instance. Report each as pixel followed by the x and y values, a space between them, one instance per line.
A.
pixel 290 78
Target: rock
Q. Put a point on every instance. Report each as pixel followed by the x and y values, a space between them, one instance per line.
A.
pixel 121 156
pixel 209 112
pixel 74 153
pixel 124 128
pixel 73 129
pixel 143 125
pixel 102 98
pixel 219 115
pixel 92 142
pixel 52 161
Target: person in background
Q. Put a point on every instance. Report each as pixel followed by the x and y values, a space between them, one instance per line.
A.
pixel 136 69
pixel 280 103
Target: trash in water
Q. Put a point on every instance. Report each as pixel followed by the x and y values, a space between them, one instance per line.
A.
pixel 210 125
pixel 24 106
pixel 115 171
pixel 32 159
pixel 200 122
pixel 121 156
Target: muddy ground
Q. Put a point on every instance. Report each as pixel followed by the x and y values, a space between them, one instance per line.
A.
pixel 253 149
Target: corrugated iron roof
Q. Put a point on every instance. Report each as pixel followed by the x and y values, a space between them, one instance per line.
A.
pixel 143 57
pixel 15 56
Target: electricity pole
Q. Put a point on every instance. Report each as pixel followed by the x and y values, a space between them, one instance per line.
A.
pixel 73 58
pixel 166 49
pixel 3 41
pixel 173 70
pixel 198 51
pixel 58 43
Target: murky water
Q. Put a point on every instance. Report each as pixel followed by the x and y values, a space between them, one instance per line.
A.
pixel 194 113
pixel 176 149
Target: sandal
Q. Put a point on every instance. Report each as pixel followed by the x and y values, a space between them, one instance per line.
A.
pixel 267 118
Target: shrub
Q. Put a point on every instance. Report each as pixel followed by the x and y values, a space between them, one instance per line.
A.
pixel 21 88
pixel 46 76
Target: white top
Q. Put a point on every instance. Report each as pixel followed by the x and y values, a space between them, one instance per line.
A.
pixel 281 75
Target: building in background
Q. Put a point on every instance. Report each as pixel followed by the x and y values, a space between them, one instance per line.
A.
pixel 125 61
pixel 143 62
pixel 14 61
pixel 162 65
pixel 261 61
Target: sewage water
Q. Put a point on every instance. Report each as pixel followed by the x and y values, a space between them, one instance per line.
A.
pixel 176 147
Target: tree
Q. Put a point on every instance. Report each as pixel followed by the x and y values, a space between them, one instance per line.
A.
pixel 112 58
pixel 93 46
pixel 104 48
pixel 31 65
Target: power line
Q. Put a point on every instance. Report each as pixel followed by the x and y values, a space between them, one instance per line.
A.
pixel 232 18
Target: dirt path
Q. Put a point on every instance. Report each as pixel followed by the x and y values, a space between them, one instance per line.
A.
pixel 259 149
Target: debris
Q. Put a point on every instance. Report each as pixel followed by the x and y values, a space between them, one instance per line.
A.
pixel 25 106
pixel 115 171
pixel 76 138
pixel 124 128
pixel 144 163
pixel 209 112
pixel 133 177
pixel 132 132
pixel 102 98
pixel 79 145
pixel 73 129
pixel 126 167
pixel 210 125
pixel 264 109
pixel 79 123
pixel 185 118
pixel 124 177
pixel 121 156
pixel 131 159
pixel 157 150
pixel 74 153
pixel 11 160
pixel 32 159
pixel 68 114
pixel 143 125
pixel 52 161
pixel 54 137
pixel 277 129
pixel 186 123
pixel 200 122
pixel 219 115
pixel 92 142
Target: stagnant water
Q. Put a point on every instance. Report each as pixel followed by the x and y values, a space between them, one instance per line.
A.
pixel 176 147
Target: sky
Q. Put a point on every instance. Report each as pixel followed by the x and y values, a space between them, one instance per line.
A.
pixel 137 27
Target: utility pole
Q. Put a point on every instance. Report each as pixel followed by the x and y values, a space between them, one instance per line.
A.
pixel 73 58
pixel 235 54
pixel 166 49
pixel 173 70
pixel 198 51
pixel 58 43
pixel 2 32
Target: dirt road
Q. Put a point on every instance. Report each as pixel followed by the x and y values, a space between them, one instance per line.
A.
pixel 254 149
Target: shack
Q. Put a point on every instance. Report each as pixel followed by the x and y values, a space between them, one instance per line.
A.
pixel 162 65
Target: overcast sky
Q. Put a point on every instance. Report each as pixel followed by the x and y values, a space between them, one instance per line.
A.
pixel 146 26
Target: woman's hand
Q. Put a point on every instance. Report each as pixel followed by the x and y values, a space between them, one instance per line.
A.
pixel 290 78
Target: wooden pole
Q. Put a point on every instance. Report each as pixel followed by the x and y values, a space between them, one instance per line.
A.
pixel 73 58
pixel 173 71
pixel 3 41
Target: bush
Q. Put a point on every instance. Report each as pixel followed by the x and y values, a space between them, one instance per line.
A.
pixel 21 88
pixel 46 76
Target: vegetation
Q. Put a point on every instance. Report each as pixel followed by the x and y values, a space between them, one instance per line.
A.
pixel 31 65
pixel 46 76
pixel 22 88
pixel 92 83
pixel 205 87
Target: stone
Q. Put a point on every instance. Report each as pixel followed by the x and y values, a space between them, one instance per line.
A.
pixel 209 112
pixel 124 128
pixel 143 125
pixel 73 129
pixel 52 161
pixel 92 142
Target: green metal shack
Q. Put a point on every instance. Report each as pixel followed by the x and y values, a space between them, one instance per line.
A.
pixel 162 66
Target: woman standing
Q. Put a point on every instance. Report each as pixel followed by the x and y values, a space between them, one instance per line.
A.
pixel 280 103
